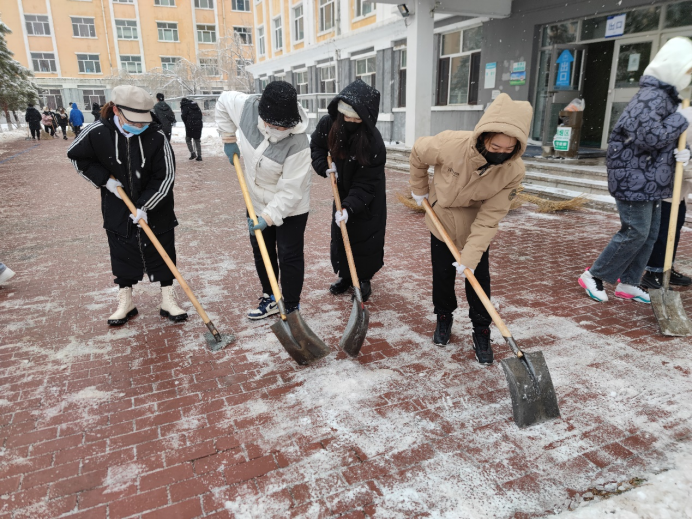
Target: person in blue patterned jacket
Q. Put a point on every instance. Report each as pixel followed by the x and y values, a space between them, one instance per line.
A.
pixel 641 158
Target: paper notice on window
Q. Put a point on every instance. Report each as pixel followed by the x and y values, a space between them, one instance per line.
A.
pixel 633 63
pixel 490 74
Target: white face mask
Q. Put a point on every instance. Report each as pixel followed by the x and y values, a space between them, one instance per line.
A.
pixel 277 135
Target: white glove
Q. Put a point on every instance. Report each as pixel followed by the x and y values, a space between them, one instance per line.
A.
pixel 141 215
pixel 341 217
pixel 460 269
pixel 686 113
pixel 112 185
pixel 419 199
pixel 682 156
pixel 333 170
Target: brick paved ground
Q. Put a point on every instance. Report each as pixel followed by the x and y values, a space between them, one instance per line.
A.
pixel 143 421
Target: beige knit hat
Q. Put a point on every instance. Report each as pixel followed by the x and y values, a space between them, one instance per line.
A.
pixel 347 110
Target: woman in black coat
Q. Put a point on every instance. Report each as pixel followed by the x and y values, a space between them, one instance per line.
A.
pixel 33 117
pixel 192 119
pixel 127 144
pixel 96 111
pixel 349 134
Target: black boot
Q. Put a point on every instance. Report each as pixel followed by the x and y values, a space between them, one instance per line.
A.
pixel 443 331
pixel 652 280
pixel 481 345
pixel 678 279
pixel 340 286
pixel 199 158
pixel 365 289
pixel 193 156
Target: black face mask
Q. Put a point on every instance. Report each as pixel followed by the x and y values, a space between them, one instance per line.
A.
pixel 351 127
pixel 496 158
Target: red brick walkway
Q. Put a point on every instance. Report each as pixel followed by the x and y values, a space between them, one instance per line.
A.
pixel 143 421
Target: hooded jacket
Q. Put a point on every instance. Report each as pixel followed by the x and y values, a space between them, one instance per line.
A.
pixel 33 117
pixel 640 157
pixel 165 115
pixel 192 118
pixel 76 116
pixel 143 163
pixel 469 198
pixel 362 189
pixel 277 173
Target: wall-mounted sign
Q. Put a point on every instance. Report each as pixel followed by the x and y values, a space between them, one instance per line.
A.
pixel 495 93
pixel 564 71
pixel 562 138
pixel 517 78
pixel 519 66
pixel 615 26
pixel 490 74
pixel 633 63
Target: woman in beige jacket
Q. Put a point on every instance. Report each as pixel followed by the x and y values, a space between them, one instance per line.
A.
pixel 476 176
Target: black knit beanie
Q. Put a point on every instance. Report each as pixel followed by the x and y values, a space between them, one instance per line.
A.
pixel 279 105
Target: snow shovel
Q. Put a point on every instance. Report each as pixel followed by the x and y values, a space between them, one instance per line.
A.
pixel 667 305
pixel 293 333
pixel 357 326
pixel 215 340
pixel 530 385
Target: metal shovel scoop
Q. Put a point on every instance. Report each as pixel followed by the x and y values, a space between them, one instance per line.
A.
pixel 293 333
pixel 666 304
pixel 357 326
pixel 530 385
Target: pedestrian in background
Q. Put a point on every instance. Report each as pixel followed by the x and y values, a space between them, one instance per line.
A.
pixel 349 134
pixel 76 119
pixel 96 111
pixel 62 118
pixel 191 115
pixel 165 115
pixel 33 118
pixel 48 121
pixel 641 158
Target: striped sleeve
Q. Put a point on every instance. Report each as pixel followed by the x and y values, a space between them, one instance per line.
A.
pixel 164 174
pixel 84 159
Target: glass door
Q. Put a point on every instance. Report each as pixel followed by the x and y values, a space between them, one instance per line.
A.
pixel 630 58
pixel 565 72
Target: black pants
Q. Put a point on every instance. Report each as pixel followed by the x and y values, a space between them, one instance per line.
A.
pixel 50 129
pixel 36 133
pixel 289 240
pixel 64 130
pixel 135 255
pixel 444 275
pixel 658 255
pixel 197 146
pixel 76 129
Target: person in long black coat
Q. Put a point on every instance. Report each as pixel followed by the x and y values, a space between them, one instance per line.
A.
pixel 349 134
pixel 192 119
pixel 33 117
pixel 96 111
pixel 127 143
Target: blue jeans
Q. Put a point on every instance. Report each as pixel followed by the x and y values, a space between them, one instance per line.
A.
pixel 626 255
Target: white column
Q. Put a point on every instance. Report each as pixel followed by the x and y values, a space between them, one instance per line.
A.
pixel 140 35
pixel 115 35
pixel 52 37
pixel 419 70
pixel 309 21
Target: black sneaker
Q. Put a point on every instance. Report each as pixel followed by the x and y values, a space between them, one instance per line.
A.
pixel 365 290
pixel 443 331
pixel 653 280
pixel 340 286
pixel 193 156
pixel 199 158
pixel 679 280
pixel 481 345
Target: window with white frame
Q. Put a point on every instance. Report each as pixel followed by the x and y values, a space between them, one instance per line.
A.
pixel 169 62
pixel 37 25
pixel 126 29
pixel 131 64
pixel 263 82
pixel 123 1
pixel 459 67
pixel 89 63
pixel 204 4
pixel 261 49
pixel 363 8
pixel 165 3
pixel 326 15
pixel 240 65
pixel 206 33
pixel 241 5
pixel 298 24
pixel 301 81
pixel 93 96
pixel 210 66
pixel 402 78
pixel 83 27
pixel 327 83
pixel 365 70
pixel 168 31
pixel 244 35
pixel 278 33
pixel 43 62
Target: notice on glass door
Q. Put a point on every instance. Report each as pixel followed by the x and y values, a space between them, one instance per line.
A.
pixel 490 74
pixel 633 63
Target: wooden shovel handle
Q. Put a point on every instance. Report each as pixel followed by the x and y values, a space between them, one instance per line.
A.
pixel 677 188
pixel 344 232
pixel 467 272
pixel 258 234
pixel 154 240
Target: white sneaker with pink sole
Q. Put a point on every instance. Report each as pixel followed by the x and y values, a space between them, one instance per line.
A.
pixel 624 291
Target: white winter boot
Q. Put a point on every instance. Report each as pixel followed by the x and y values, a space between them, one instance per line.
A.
pixel 126 309
pixel 169 306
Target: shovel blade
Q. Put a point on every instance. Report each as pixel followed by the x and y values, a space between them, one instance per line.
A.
pixel 356 329
pixel 533 398
pixel 670 313
pixel 299 340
